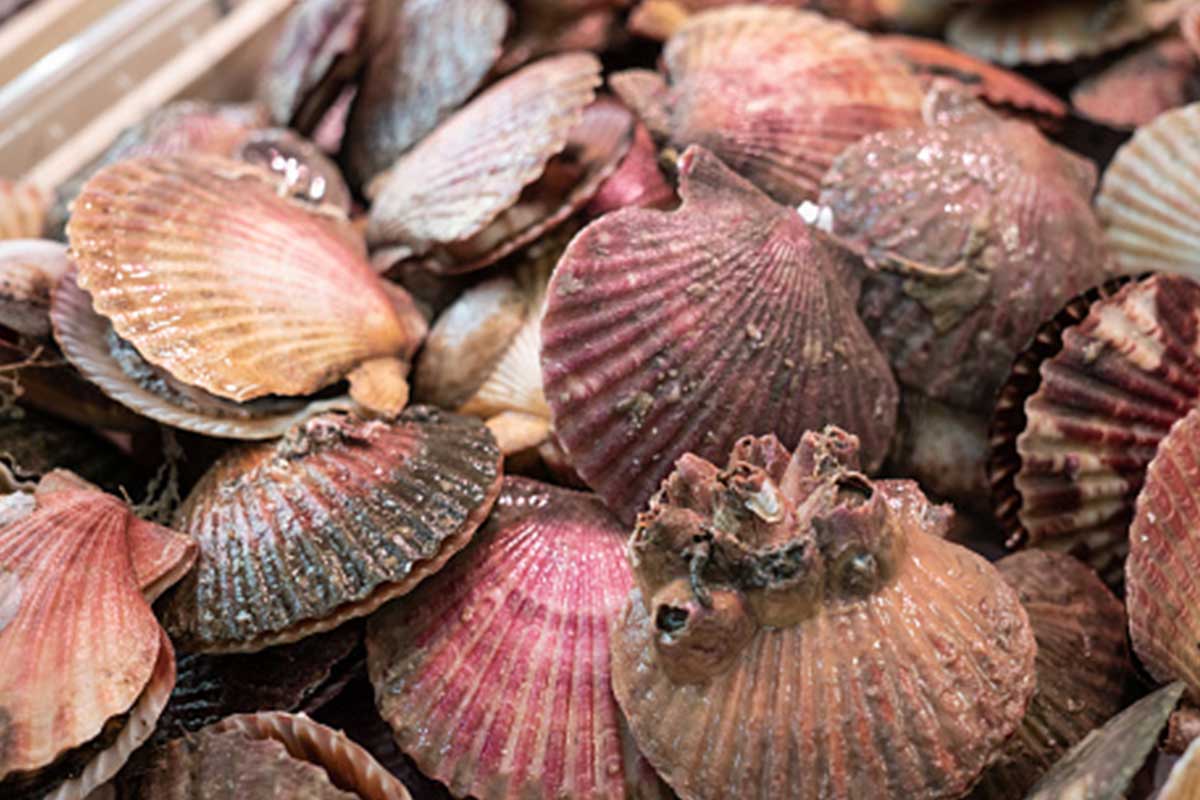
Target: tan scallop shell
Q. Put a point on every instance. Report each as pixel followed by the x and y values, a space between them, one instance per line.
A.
pixel 211 275
pixel 23 210
pixel 795 634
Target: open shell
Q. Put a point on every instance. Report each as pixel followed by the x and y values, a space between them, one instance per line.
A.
pixel 211 275
pixel 495 674
pixel 327 524
pixel 667 333
pixel 1149 200
pixel 1161 573
pixel 796 633
pixel 827 86
pixel 1158 76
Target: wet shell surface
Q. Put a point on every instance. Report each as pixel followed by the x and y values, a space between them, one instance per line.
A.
pixel 1082 665
pixel 668 333
pixel 1102 765
pixel 1158 76
pixel 211 275
pixel 797 632
pixel 494 675
pixel 427 57
pixel 977 229
pixel 1123 376
pixel 1161 583
pixel 827 86
pixel 298 535
pixel 1149 200
pixel 22 210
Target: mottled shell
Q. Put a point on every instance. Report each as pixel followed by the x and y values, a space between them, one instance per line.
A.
pixel 667 333
pixel 298 535
pixel 211 275
pixel 826 86
pixel 1158 76
pixel 494 675
pixel 1149 200
pixel 797 633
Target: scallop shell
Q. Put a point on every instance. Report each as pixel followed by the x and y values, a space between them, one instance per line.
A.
pixel 428 57
pixel 638 182
pixel 495 674
pixel 1160 575
pixel 23 210
pixel 92 346
pixel 326 524
pixel 978 228
pixel 796 635
pixel 212 276
pixel 1060 31
pixel 1124 375
pixel 672 333
pixel 1081 665
pixel 1102 765
pixel 303 171
pixel 475 165
pixel 1149 200
pixel 29 268
pixel 827 86
pixel 659 19
pixel 1158 76
pixel 1184 781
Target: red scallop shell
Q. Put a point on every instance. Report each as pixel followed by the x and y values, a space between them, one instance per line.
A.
pixel 1156 77
pixel 638 181
pixel 494 675
pixel 668 333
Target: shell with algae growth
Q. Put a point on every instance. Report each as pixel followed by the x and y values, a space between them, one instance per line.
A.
pixel 494 675
pixel 201 265
pixel 1149 199
pixel 668 333
pixel 326 524
pixel 799 631
pixel 826 86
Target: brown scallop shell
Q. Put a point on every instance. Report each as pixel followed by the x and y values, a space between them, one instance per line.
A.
pixel 1149 200
pixel 23 209
pixel 211 275
pixel 978 230
pixel 667 333
pixel 826 86
pixel 299 535
pixel 1102 765
pixel 1123 376
pixel 494 675
pixel 1158 76
pixel 1061 31
pixel 1160 575
pixel 1081 666
pixel 29 268
pixel 427 57
pixel 795 634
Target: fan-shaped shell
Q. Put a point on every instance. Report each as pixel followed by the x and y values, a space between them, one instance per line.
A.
pixel 210 274
pixel 303 172
pixel 1061 31
pixel 1158 76
pixel 495 674
pixel 979 230
pixel 1081 665
pixel 672 333
pixel 474 167
pixel 112 364
pixel 23 209
pixel 326 524
pixel 1149 200
pixel 1124 375
pixel 427 57
pixel 826 86
pixel 796 634
pixel 1162 589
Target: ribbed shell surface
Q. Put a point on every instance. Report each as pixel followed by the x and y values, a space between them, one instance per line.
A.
pixel 1156 77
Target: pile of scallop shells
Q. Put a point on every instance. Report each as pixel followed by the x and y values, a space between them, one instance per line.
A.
pixel 598 398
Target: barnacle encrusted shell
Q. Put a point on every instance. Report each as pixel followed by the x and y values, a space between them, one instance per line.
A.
pixel 29 268
pixel 978 230
pixel 494 674
pixel 23 209
pixel 267 755
pixel 1158 76
pixel 1124 375
pixel 427 57
pixel 1149 201
pixel 1161 573
pixel 201 265
pixel 298 535
pixel 668 333
pixel 1081 666
pixel 797 632
pixel 826 86
pixel 1101 766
